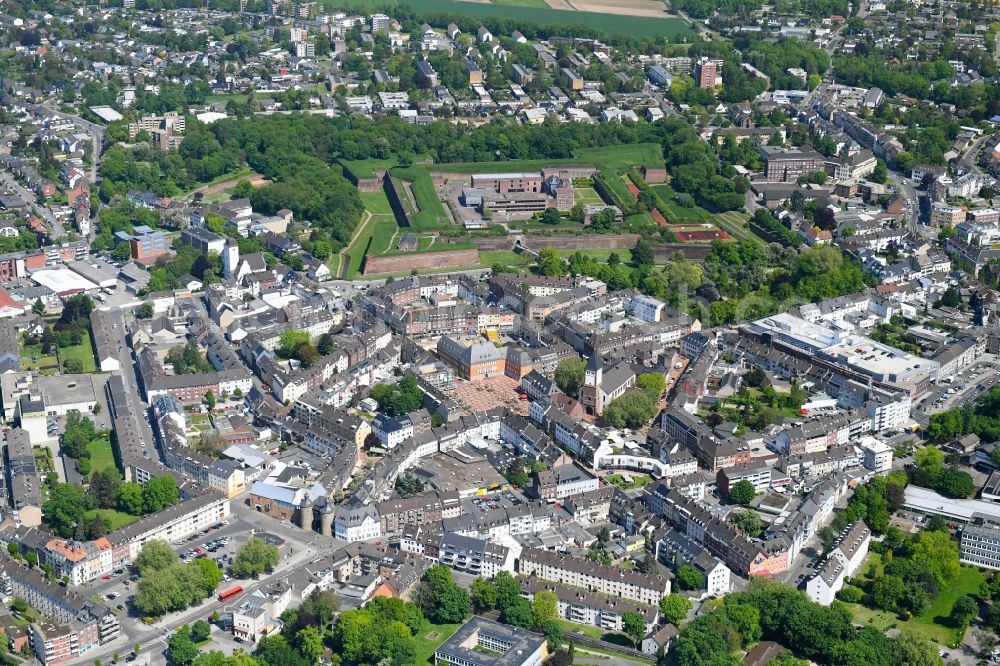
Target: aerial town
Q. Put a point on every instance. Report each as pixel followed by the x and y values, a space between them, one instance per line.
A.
pixel 494 333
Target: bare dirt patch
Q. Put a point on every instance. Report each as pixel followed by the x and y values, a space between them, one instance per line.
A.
pixel 559 4
pixel 651 8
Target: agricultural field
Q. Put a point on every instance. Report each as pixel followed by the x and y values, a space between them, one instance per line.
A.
pixel 612 18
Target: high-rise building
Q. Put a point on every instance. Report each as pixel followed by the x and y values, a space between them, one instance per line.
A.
pixel 705 72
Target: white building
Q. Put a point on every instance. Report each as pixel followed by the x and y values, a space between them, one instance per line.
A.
pixel 877 455
pixel 359 523
pixel 646 308
pixel 823 587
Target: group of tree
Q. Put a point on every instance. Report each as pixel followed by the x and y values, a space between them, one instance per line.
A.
pixel 167 585
pixel 299 345
pixel 187 359
pixel 77 438
pixel 503 594
pixel 381 632
pixel 74 321
pixel 440 598
pixel 633 409
pixel 873 502
pixel 981 418
pixel 915 569
pixel 569 375
pixel 69 510
pixel 768 610
pixel 932 472
pixel 255 557
pixel 400 398
pixel 519 471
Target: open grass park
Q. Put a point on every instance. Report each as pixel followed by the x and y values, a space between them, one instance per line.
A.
pixel 934 621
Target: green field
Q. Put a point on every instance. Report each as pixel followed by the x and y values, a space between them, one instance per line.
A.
pixel 424 653
pixel 933 622
pixel 101 456
pixel 678 213
pixel 83 351
pixel 506 257
pixel 32 358
pixel 366 168
pixel 633 26
pixel 113 519
pixel 587 196
pixel 637 480
pixel 734 223
pixel 432 215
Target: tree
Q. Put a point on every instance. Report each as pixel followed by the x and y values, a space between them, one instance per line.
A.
pixel 674 608
pixel 633 409
pixel 484 594
pixel 182 650
pixel 955 483
pixel 211 574
pixel 634 625
pixel 550 263
pixel 309 643
pixel 210 399
pixel 938 552
pixel 551 216
pixel 642 253
pixel 64 509
pixel 913 649
pixel 200 631
pixel 129 499
pixel 742 492
pixel 255 557
pixel 518 613
pixel 553 633
pixel 38 307
pixel 507 589
pixel 145 311
pixel 159 493
pixel 748 521
pixel 155 555
pixel 544 607
pixel 652 383
pixel 964 610
pixel 569 375
pixel 104 488
pixel 324 345
pixel 689 578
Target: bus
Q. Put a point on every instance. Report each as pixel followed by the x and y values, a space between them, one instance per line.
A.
pixel 231 592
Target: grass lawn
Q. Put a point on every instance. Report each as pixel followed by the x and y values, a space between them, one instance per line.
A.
pixel 376 203
pixel 83 351
pixel 587 196
pixel 933 622
pixel 678 213
pixel 429 638
pixel 101 456
pixel 506 257
pixel 113 519
pixel 735 224
pixel 600 255
pixel 638 480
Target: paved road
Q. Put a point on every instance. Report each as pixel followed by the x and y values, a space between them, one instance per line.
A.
pixel 95 131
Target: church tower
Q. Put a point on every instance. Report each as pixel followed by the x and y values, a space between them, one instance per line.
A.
pixel 230 258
